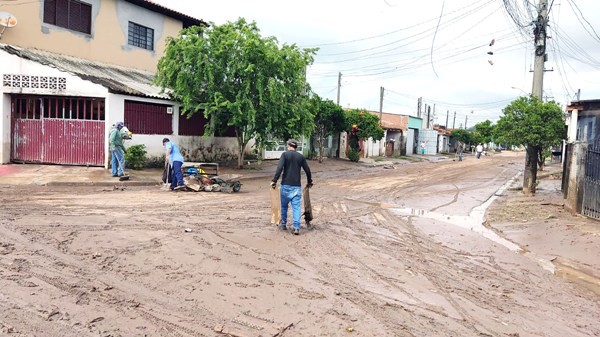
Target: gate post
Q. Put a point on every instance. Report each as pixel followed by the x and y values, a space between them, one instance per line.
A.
pixel 576 177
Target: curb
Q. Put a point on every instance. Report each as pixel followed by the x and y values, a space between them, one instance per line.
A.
pixel 101 183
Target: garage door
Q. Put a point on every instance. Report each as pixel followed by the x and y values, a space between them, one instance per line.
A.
pixel 58 130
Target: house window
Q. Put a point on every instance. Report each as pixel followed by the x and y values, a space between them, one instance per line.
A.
pixel 193 126
pixel 141 36
pixel 58 107
pixel 70 14
pixel 148 119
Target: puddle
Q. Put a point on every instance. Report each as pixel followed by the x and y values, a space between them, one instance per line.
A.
pixel 473 221
pixel 569 271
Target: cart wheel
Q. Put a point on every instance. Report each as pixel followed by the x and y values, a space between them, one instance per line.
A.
pixel 237 187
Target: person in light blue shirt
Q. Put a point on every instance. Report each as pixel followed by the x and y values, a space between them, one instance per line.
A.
pixel 175 159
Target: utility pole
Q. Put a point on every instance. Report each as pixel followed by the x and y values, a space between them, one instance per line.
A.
pixel 466 121
pixel 433 116
pixel 540 49
pixel 419 103
pixel 578 94
pixel 454 121
pixel 381 90
pixel 447 114
pixel 339 87
pixel 428 113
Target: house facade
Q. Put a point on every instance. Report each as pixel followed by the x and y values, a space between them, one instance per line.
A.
pixel 583 121
pixel 71 69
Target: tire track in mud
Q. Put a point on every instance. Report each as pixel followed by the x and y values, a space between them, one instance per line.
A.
pixel 363 299
pixel 83 274
pixel 374 274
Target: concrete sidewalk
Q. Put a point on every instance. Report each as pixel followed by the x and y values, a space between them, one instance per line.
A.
pixel 57 175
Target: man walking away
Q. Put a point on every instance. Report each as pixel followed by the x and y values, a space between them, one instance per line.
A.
pixel 117 150
pixel 290 163
pixel 175 159
pixel 479 149
pixel 459 150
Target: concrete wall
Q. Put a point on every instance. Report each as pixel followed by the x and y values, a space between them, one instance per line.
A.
pixel 5 124
pixel 410 141
pixel 576 176
pixel 430 137
pixel 108 39
pixel 194 148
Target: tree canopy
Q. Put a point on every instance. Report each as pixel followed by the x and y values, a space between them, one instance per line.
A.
pixel 367 123
pixel 534 124
pixel 530 122
pixel 329 119
pixel 483 132
pixel 462 135
pixel 241 80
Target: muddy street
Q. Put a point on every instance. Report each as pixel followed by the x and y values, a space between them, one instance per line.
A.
pixel 396 251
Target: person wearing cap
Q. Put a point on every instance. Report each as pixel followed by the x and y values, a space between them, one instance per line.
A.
pixel 117 150
pixel 175 159
pixel 290 164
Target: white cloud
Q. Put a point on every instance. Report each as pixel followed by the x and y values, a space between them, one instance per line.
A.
pixel 396 37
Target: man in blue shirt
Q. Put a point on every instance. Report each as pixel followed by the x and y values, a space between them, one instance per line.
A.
pixel 175 160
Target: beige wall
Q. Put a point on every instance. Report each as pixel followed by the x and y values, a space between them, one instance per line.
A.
pixel 108 40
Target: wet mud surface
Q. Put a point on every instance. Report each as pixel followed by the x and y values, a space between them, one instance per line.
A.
pixel 393 252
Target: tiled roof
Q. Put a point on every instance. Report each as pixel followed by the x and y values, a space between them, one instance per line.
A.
pixel 155 7
pixel 117 79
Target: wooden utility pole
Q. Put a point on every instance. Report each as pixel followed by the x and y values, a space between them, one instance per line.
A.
pixel 447 114
pixel 428 113
pixel 537 90
pixel 454 121
pixel 339 87
pixel 466 121
pixel 540 49
pixel 381 90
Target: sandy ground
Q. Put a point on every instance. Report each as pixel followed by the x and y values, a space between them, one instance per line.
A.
pixel 396 251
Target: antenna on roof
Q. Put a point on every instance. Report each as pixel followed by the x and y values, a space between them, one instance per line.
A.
pixel 7 20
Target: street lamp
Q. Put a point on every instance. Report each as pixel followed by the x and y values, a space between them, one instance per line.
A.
pixel 521 90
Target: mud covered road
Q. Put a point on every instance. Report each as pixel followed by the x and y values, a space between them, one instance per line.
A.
pixel 395 252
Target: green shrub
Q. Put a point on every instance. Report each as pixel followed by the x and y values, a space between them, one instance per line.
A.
pixel 135 156
pixel 353 155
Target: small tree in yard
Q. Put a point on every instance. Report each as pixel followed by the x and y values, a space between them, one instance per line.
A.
pixel 367 124
pixel 462 136
pixel 483 132
pixel 329 119
pixel 534 124
pixel 241 80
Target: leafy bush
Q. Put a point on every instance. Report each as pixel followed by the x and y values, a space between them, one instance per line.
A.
pixel 353 155
pixel 135 156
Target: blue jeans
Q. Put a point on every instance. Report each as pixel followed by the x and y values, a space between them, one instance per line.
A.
pixel 117 155
pixel 460 156
pixel 177 175
pixel 291 194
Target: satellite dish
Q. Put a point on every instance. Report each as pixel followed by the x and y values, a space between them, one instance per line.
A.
pixel 7 20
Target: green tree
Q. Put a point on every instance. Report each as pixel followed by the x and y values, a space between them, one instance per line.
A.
pixel 329 119
pixel 241 80
pixel 483 132
pixel 462 135
pixel 534 124
pixel 367 123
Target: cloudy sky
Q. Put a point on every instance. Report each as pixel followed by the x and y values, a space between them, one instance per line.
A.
pixel 435 49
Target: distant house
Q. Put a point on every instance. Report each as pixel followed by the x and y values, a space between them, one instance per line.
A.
pixel 394 141
pixel 581 158
pixel 583 121
pixel 70 69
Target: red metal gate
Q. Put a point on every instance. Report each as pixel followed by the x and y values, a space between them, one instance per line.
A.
pixel 58 130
